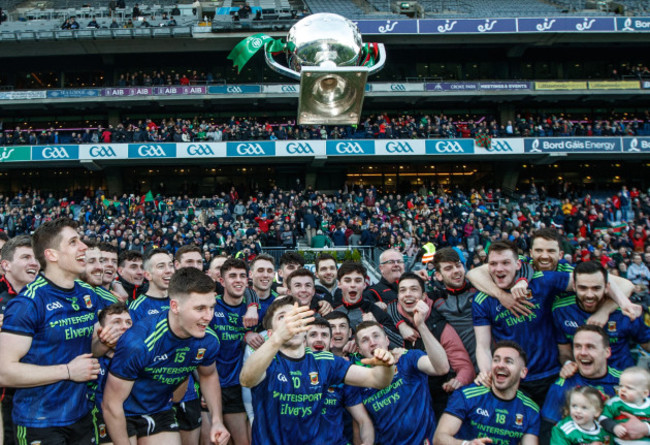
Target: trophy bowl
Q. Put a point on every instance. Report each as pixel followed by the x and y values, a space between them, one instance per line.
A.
pixel 326 53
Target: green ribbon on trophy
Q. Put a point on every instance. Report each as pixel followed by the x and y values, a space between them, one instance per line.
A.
pixel 247 48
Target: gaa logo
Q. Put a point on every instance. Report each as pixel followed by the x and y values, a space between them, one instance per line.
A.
pixel 100 151
pixel 298 148
pixel 500 146
pixel 151 151
pixel 55 153
pixel 348 148
pixel 399 147
pixel 200 150
pixel 449 147
pixel 250 149
pixel 233 89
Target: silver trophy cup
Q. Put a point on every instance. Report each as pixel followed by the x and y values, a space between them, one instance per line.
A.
pixel 325 56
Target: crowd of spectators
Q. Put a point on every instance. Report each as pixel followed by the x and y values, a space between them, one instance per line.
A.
pixel 631 72
pixel 611 229
pixel 375 126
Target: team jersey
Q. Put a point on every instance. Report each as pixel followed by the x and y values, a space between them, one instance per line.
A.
pixel 556 396
pixel 264 305
pixel 105 295
pixel 562 266
pixel 60 323
pixel 289 401
pixel 145 306
pixel 407 397
pixel 158 361
pixel 96 387
pixel 228 323
pixel 567 316
pixel 614 409
pixel 335 416
pixel 567 432
pixel 542 359
pixel 485 415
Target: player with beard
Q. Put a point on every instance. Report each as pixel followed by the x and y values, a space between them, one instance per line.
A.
pixel 492 320
pixel 94 272
pixel 341 401
pixel 407 397
pixel 288 380
pixel 591 284
pixel 545 256
pixel 326 278
pixel 158 270
pixel 48 341
pixel 499 413
pixel 20 268
pixel 229 326
pixel 591 349
pixel 156 356
pixel 352 282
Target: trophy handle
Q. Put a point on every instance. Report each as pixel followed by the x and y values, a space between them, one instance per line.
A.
pixel 275 66
pixel 281 69
pixel 380 62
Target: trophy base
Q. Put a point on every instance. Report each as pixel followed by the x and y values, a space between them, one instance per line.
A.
pixel 331 96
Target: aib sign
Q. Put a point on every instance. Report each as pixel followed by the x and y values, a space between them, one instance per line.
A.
pixel 250 149
pixel 55 152
pixel 152 150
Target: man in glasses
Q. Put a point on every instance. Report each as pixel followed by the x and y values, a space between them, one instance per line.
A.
pixel 391 267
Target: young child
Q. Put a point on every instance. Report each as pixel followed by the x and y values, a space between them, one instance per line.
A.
pixel 584 405
pixel 633 390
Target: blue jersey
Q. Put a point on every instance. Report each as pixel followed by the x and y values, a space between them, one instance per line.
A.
pixel 289 401
pixel 145 306
pixel 228 323
pixel 97 386
pixel 105 295
pixel 485 415
pixel 264 304
pixel 567 316
pixel 542 359
pixel 407 397
pixel 158 361
pixel 60 323
pixel 556 396
pixel 335 416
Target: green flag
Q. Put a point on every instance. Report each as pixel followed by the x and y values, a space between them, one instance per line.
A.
pixel 148 197
pixel 247 48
